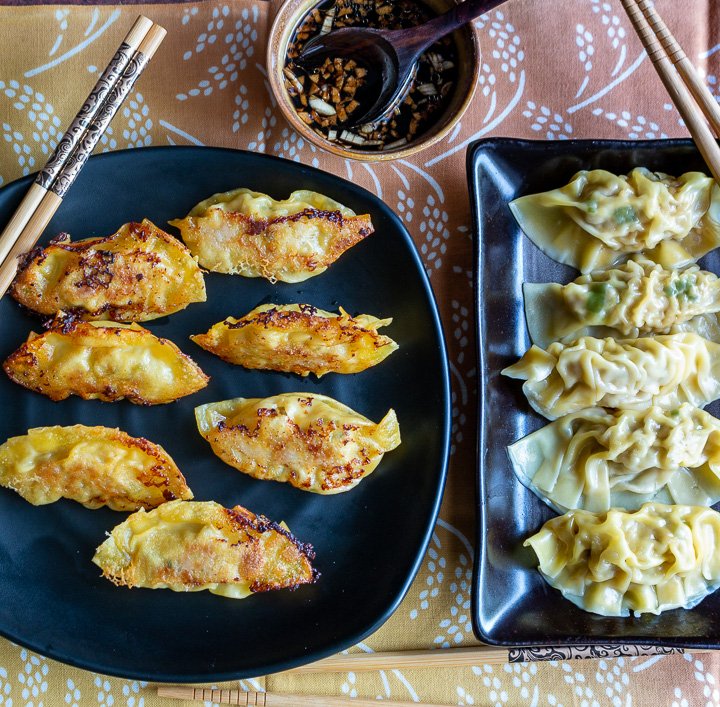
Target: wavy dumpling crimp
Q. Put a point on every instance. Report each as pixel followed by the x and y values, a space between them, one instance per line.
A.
pixel 189 546
pixel 599 218
pixel 137 274
pixel 655 559
pixel 301 339
pixel 311 441
pixel 247 233
pixel 664 370
pixel 104 361
pixel 599 459
pixel 636 298
pixel 95 466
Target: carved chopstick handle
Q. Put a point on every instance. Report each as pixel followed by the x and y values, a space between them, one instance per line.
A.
pixel 94 102
pixel 46 193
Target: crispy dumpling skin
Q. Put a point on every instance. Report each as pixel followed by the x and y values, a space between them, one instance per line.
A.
pixel 599 219
pixel 665 370
pixel 95 466
pixel 242 232
pixel 658 558
pixel 634 299
pixel 311 441
pixel 137 274
pixel 599 459
pixel 104 361
pixel 189 546
pixel 299 338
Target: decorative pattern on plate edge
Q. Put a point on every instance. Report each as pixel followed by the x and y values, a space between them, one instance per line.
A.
pixel 524 655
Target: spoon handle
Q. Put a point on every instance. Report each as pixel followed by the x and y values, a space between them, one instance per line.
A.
pixel 416 39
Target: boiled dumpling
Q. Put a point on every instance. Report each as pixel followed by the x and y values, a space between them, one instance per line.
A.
pixel 96 466
pixel 311 441
pixel 636 298
pixel 599 459
pixel 657 558
pixel 189 546
pixel 599 218
pixel 300 339
pixel 665 370
pixel 247 233
pixel 104 361
pixel 138 273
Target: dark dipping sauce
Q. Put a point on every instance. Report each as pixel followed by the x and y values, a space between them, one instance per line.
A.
pixel 327 94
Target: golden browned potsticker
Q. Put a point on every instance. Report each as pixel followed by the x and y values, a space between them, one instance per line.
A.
pixel 137 274
pixel 310 441
pixel 299 338
pixel 104 361
pixel 189 546
pixel 247 233
pixel 95 466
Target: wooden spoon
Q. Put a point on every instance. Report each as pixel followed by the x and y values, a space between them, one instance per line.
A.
pixel 390 56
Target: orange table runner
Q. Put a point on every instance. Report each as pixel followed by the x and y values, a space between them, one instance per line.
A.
pixel 550 70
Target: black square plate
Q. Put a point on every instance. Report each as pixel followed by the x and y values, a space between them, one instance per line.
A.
pixel 369 542
pixel 513 605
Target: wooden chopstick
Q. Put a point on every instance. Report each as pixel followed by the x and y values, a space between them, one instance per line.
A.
pixel 464 657
pixel 698 88
pixel 679 93
pixel 74 133
pixel 398 660
pixel 272 699
pixel 47 191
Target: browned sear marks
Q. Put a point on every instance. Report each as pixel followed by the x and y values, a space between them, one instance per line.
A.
pixel 136 274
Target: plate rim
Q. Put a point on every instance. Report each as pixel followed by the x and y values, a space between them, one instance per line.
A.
pixel 473 150
pixel 446 427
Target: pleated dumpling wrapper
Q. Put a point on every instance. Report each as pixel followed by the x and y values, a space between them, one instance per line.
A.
pixel 600 218
pixel 634 299
pixel 599 459
pixel 243 232
pixel 310 441
pixel 664 370
pixel 299 338
pixel 95 466
pixel 658 558
pixel 188 546
pixel 104 361
pixel 137 274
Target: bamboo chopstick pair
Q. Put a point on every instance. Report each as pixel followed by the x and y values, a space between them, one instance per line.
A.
pixel 47 191
pixel 432 658
pixel 271 699
pixel 689 93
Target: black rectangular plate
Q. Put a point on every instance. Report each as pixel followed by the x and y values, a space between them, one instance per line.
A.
pixel 512 605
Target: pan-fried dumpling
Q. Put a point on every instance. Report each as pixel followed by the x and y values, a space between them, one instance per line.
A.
pixel 96 466
pixel 137 274
pixel 247 233
pixel 664 370
pixel 311 441
pixel 104 361
pixel 657 558
pixel 189 546
pixel 299 338
pixel 599 459
pixel 636 298
pixel 599 218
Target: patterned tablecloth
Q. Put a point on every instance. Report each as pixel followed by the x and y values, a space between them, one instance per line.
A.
pixel 550 70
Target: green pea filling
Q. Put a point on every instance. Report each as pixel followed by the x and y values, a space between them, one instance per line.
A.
pixel 682 287
pixel 625 215
pixel 595 301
